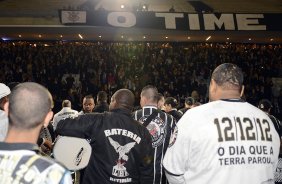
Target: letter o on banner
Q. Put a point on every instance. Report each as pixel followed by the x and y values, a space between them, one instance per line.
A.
pixel 220 151
pixel 128 19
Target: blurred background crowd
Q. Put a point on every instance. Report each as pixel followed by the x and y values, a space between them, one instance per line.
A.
pixel 71 70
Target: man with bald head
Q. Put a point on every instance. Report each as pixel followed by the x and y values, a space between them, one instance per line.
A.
pixel 121 146
pixel 66 112
pixel 224 141
pixel 29 109
pixel 160 125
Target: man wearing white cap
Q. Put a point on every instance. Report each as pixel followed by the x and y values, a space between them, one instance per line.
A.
pixel 4 92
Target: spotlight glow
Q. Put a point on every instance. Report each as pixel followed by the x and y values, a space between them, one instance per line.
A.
pixel 209 37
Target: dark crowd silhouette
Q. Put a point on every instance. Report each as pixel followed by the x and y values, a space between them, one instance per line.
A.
pixel 71 70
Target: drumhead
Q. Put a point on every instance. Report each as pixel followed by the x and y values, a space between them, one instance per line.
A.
pixel 73 152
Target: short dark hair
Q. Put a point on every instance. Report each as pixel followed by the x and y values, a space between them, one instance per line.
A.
pixel 124 99
pixel 102 96
pixel 264 105
pixel 88 97
pixel 66 103
pixel 228 75
pixel 151 93
pixel 29 103
pixel 171 101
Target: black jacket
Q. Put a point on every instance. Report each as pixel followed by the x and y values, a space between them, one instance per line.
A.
pixel 177 115
pixel 121 147
pixel 101 107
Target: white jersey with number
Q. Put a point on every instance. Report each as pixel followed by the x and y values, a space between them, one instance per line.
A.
pixel 225 141
pixel 66 112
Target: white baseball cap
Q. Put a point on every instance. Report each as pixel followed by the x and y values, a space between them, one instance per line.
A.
pixel 4 90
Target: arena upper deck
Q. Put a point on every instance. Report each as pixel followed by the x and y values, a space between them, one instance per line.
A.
pixel 26 20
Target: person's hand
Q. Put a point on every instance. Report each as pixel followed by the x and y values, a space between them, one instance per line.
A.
pixel 46 147
pixel 48 144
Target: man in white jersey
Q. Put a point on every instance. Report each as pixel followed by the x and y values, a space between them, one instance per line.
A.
pixel 66 112
pixel 29 109
pixel 224 141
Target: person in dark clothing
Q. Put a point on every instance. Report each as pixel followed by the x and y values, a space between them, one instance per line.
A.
pixel 88 105
pixel 189 102
pixel 160 125
pixel 170 106
pixel 265 105
pixel 122 147
pixel 102 104
pixel 161 101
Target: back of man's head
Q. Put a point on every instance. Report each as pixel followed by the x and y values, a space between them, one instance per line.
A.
pixel 122 98
pixel 66 103
pixel 151 93
pixel 265 105
pixel 228 76
pixel 29 103
pixel 102 96
pixel 171 101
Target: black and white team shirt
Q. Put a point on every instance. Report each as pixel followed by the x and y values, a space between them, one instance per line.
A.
pixel 161 129
pixel 225 141
pixel 20 163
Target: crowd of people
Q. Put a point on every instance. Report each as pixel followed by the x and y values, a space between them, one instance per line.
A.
pixel 151 131
pixel 148 145
pixel 72 70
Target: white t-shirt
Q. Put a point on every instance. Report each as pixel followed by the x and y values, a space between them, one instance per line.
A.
pixel 224 141
pixel 66 112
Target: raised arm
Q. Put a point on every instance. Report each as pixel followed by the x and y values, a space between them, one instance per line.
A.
pixel 81 126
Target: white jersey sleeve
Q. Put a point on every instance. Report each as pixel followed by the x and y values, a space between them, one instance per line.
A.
pixel 64 113
pixel 223 142
pixel 176 161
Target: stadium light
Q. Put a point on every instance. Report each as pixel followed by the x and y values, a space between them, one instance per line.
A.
pixel 209 37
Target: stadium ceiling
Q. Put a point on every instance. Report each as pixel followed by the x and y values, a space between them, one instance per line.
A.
pixel 39 20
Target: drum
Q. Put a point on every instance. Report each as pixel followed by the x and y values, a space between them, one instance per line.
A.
pixel 73 152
